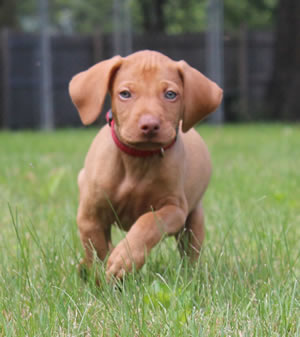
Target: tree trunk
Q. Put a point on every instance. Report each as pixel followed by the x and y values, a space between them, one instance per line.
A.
pixel 283 97
pixel 8 14
pixel 153 15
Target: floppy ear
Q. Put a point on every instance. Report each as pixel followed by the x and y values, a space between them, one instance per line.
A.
pixel 88 88
pixel 201 95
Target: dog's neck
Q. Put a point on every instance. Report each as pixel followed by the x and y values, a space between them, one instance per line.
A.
pixel 130 150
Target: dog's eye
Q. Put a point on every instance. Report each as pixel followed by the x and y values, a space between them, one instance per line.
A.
pixel 170 95
pixel 125 94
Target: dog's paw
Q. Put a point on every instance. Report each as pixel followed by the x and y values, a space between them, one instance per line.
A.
pixel 124 258
pixel 87 273
pixel 83 271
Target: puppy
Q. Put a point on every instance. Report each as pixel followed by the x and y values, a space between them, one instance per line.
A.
pixel 147 169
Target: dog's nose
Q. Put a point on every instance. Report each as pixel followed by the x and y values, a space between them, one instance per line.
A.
pixel 149 125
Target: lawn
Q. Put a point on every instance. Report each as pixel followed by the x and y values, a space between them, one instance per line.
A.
pixel 245 284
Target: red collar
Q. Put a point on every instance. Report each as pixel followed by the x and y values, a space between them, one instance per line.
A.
pixel 130 150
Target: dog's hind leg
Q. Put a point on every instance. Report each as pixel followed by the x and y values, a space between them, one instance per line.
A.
pixel 190 239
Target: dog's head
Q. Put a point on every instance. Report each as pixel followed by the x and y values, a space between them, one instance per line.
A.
pixel 150 95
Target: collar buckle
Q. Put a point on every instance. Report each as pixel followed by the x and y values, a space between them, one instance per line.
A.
pixel 109 117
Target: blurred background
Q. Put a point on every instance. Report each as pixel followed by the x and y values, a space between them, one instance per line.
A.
pixel 250 48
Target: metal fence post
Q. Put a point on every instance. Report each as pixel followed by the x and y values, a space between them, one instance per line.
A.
pixel 122 34
pixel 243 70
pixel 5 69
pixel 215 50
pixel 46 108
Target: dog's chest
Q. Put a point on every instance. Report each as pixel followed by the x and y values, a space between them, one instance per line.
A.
pixel 135 186
pixel 132 198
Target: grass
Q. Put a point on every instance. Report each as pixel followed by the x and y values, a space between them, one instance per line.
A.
pixel 246 283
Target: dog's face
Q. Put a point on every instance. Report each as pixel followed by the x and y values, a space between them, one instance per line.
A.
pixel 150 95
pixel 147 100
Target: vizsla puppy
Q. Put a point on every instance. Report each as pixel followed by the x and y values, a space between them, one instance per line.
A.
pixel 147 169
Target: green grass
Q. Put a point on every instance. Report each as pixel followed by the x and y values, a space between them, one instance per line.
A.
pixel 246 283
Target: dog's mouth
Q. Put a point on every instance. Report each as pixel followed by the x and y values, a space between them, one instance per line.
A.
pixel 136 139
pixel 149 145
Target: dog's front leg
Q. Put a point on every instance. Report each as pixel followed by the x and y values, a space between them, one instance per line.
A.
pixel 146 232
pixel 93 234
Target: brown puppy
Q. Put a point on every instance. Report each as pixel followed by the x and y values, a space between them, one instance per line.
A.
pixel 149 170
